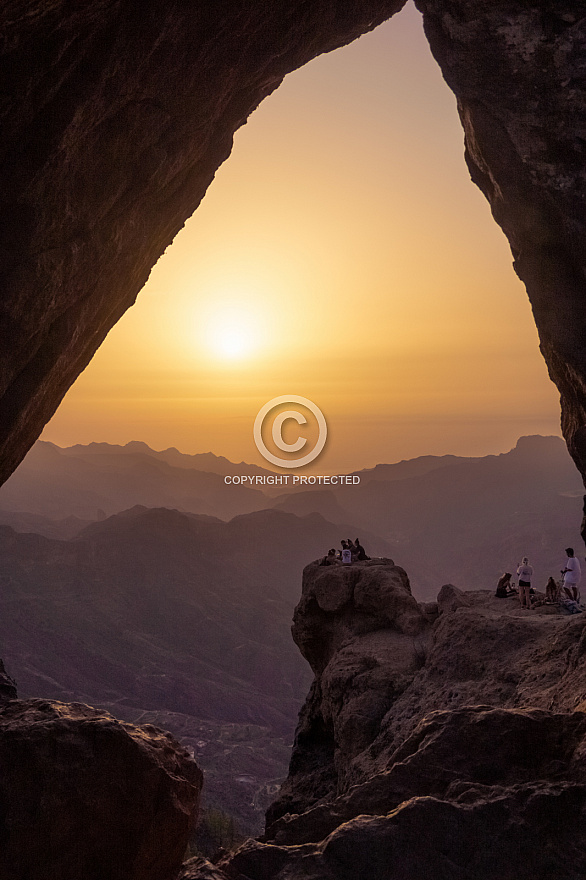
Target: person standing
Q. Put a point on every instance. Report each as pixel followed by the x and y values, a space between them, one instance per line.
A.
pixel 525 573
pixel 572 574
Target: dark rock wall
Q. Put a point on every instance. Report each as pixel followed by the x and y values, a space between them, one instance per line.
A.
pixel 114 117
pixel 518 70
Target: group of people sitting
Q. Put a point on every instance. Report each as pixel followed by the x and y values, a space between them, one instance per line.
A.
pixel 565 592
pixel 352 551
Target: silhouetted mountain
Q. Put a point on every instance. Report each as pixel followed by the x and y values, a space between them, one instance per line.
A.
pixel 322 500
pixel 464 519
pixel 62 529
pixel 57 483
pixel 202 461
pixel 412 467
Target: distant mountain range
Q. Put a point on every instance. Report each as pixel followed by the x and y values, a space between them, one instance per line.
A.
pixel 91 482
pixel 445 517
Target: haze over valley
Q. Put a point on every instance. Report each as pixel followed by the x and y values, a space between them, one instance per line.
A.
pixel 139 581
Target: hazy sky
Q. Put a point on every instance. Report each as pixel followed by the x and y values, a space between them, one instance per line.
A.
pixel 341 254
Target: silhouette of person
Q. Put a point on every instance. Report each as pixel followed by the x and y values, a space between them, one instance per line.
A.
pixel 360 551
pixel 346 553
pixel 330 559
pixel 551 591
pixel 503 587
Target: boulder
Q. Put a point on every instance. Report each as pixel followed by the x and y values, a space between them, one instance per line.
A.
pixel 447 757
pixel 85 796
pixel 450 598
pixel 340 603
pixel 472 795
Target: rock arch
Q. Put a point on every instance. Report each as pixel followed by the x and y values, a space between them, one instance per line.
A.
pixel 116 115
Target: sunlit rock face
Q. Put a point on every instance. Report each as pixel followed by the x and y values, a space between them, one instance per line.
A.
pixel 115 116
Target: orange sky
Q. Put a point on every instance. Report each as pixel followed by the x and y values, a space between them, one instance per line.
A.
pixel 341 254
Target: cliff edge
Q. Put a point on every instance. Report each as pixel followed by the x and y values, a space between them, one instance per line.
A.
pixel 448 738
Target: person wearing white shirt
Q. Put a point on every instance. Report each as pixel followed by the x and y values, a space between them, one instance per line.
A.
pixel 525 573
pixel 572 574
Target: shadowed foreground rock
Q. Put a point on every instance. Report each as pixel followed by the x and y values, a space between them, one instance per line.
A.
pixel 446 742
pixel 86 797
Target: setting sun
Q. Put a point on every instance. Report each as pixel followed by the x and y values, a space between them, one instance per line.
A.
pixel 232 331
pixel 233 335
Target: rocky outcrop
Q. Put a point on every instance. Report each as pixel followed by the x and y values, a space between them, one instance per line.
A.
pixel 518 72
pixel 340 602
pixel 378 684
pixel 522 833
pixel 115 118
pixel 360 629
pixel 448 740
pixel 84 795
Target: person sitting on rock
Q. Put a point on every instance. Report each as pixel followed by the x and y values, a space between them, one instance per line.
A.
pixel 503 587
pixel 360 551
pixel 552 592
pixel 330 559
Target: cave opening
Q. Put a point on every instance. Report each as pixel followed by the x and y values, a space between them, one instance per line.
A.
pixel 344 242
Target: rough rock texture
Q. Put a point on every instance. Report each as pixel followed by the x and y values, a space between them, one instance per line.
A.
pixel 115 116
pixel 358 626
pixel 519 833
pixel 377 684
pixel 518 70
pixel 84 795
pixel 339 602
pixel 450 743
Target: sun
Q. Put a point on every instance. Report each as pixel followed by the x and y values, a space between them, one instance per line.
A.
pixel 234 332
